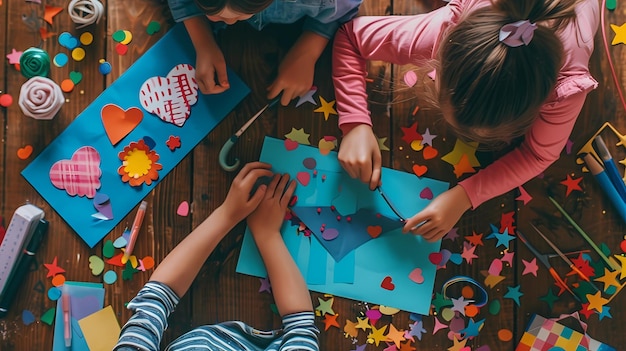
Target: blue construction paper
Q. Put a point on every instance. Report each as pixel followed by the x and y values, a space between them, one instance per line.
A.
pixel 391 254
pixel 344 269
pixel 93 292
pixel 87 130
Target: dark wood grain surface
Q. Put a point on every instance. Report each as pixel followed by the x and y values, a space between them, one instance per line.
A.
pixel 220 294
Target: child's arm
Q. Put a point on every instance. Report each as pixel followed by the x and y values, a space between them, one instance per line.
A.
pixel 210 62
pixel 290 291
pixel 295 74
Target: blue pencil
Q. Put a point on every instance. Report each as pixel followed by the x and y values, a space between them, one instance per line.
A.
pixel 605 183
pixel 610 168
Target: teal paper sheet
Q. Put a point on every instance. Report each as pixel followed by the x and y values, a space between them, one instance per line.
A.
pixel 392 254
pixel 88 130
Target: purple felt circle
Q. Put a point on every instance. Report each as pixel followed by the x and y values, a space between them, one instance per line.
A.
pixel 309 163
pixel 330 234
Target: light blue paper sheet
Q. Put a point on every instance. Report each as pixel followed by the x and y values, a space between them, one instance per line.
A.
pixel 391 254
pixel 87 130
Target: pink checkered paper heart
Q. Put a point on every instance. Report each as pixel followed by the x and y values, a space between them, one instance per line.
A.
pixel 171 97
pixel 80 175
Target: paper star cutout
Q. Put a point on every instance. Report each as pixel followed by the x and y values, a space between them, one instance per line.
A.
pixel 14 57
pixel 583 265
pixel 394 335
pixel 605 313
pixel 377 334
pixel 620 34
pixel 468 252
pixel 572 184
pixel 530 267
pixel 524 195
pixel 458 305
pixel 585 311
pixel 503 238
pixel 381 144
pixel 326 306
pixel 452 234
pixel 363 323
pixel 438 326
pixel 463 166
pixel 462 148
pixel 549 298
pixel 514 294
pixel 390 347
pixel 596 301
pixel 53 269
pixel 409 134
pixel 415 330
pixel 609 279
pixel 308 97
pixel 459 345
pixel 350 328
pixel 50 12
pixel 507 221
pixel 561 285
pixel 622 261
pixel 330 321
pixel 508 257
pixel 427 138
pixel 440 301
pixel 265 285
pixel 472 328
pixel 298 135
pixel 475 239
pixel 407 347
pixel 326 108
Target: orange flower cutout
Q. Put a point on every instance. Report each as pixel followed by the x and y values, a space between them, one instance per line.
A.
pixel 139 164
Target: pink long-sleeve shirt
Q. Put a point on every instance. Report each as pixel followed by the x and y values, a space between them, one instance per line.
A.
pixel 414 39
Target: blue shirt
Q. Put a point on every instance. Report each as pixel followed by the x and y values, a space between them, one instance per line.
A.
pixel 322 16
pixel 155 301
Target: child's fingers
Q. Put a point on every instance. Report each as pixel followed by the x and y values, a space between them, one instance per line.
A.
pixel 284 201
pixel 222 75
pixel 280 188
pixel 271 188
pixel 248 167
pixel 258 195
pixel 273 90
pixel 374 180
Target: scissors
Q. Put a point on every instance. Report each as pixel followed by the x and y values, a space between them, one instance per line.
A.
pixel 543 258
pixel 394 209
pixel 233 138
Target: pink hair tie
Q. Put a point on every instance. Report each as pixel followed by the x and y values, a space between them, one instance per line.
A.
pixel 518 33
pixel 40 98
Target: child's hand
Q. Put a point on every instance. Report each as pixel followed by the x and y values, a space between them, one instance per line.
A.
pixel 210 65
pixel 270 214
pixel 295 77
pixel 359 155
pixel 440 215
pixel 239 201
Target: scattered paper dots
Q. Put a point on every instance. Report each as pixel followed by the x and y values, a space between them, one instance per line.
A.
pixel 60 60
pixel 58 280
pixel 104 67
pixel 86 38
pixel 109 277
pixel 6 100
pixel 78 54
pixel 505 335
pixel 153 27
pixel 183 209
pixel 27 317
pixel 67 85
pixel 121 49
pixel 54 293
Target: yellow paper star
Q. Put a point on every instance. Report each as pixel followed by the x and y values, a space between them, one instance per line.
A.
pixel 622 261
pixel 620 34
pixel 377 334
pixel 395 335
pixel 458 344
pixel 363 323
pixel 350 328
pixel 461 148
pixel 326 108
pixel 298 135
pixel 326 306
pixel 596 301
pixel 609 279
pixel 381 144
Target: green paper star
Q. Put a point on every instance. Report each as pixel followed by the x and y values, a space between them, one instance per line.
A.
pixel 549 298
pixel 326 306
pixel 381 144
pixel 440 301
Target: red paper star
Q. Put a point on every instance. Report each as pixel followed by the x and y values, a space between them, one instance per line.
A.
pixel 583 265
pixel 410 133
pixel 572 184
pixel 330 320
pixel 50 12
pixel 173 142
pixel 524 196
pixel 475 239
pixel 53 269
pixel 585 311
pixel 506 221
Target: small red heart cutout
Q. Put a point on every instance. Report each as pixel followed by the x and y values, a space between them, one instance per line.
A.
pixel 419 170
pixel 426 193
pixel 429 152
pixel 435 258
pixel 374 230
pixel 290 145
pixel 387 284
pixel 24 152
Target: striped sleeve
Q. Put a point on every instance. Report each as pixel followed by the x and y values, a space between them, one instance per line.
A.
pixel 300 332
pixel 151 308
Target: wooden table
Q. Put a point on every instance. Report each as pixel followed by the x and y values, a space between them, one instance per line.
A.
pixel 220 294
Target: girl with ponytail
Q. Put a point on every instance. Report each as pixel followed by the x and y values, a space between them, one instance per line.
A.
pixel 503 69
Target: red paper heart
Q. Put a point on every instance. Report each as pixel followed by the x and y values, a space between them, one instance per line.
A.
pixel 419 170
pixel 426 193
pixel 291 145
pixel 429 152
pixel 387 284
pixel 24 152
pixel 374 230
pixel 435 258
pixel 118 123
pixel 303 178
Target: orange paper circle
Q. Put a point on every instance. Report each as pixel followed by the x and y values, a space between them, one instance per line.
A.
pixel 148 262
pixel 505 335
pixel 467 292
pixel 67 85
pixel 86 38
pixel 471 311
pixel 58 280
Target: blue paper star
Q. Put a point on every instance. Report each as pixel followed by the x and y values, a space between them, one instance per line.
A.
pixel 514 294
pixel 265 285
pixel 494 231
pixel 308 97
pixel 417 329
pixel 605 312
pixel 472 328
pixel 504 238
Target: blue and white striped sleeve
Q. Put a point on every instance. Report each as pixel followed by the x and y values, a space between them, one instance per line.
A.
pixel 300 332
pixel 151 308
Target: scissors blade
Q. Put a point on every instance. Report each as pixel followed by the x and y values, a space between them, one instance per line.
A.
pixel 390 204
pixel 542 258
pixel 271 103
